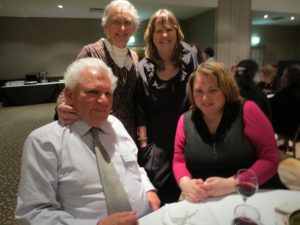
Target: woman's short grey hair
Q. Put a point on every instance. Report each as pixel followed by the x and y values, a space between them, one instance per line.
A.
pixel 123 4
pixel 74 71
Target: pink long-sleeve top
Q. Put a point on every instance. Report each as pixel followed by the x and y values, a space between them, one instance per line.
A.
pixel 257 129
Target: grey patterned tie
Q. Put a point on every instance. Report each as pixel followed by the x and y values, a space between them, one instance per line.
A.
pixel 116 197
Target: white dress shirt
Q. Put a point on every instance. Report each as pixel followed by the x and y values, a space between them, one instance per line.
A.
pixel 60 182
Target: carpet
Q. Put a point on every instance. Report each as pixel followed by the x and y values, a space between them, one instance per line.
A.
pixel 15 125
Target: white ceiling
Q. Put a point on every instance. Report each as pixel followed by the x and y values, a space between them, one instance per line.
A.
pixel 279 11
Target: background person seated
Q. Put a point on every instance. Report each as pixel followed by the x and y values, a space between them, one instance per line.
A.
pixel 244 76
pixel 208 54
pixel 286 103
pixel 267 79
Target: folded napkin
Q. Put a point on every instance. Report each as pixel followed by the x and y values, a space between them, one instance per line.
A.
pixel 196 214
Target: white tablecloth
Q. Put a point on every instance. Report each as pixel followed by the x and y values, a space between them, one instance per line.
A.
pixel 219 211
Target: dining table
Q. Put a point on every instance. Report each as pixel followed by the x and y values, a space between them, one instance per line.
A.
pixel 274 207
pixel 18 93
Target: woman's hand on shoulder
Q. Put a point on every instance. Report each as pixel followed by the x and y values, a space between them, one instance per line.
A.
pixel 66 114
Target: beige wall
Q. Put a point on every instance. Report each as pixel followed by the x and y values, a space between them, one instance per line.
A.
pixel 279 42
pixel 30 45
pixel 201 29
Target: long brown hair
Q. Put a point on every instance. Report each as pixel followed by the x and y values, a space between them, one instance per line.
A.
pixel 165 16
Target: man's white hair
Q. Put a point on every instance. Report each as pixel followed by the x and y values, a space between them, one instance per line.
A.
pixel 74 71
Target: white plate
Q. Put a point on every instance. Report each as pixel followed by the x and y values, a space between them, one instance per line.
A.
pixel 283 210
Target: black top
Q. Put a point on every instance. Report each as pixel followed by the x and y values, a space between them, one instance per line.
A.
pixel 286 110
pixel 159 106
pixel 255 94
pixel 221 154
pixel 160 103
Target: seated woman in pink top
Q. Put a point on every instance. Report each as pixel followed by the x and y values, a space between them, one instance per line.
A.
pixel 219 135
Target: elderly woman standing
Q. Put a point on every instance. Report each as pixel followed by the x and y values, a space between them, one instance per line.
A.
pixel 220 135
pixel 161 98
pixel 286 105
pixel 119 22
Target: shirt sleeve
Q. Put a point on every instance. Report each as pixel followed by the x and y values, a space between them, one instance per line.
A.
pixel 145 180
pixel 179 164
pixel 259 131
pixel 37 200
pixel 84 53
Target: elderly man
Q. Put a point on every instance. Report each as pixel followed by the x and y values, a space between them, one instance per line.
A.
pixel 60 179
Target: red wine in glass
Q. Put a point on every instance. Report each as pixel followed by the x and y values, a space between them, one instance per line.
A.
pixel 246 188
pixel 246 183
pixel 243 221
pixel 246 215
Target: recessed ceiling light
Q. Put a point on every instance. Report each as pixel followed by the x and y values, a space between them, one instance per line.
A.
pixel 292 18
pixel 60 6
pixel 266 16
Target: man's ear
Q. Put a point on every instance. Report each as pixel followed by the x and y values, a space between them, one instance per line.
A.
pixel 68 95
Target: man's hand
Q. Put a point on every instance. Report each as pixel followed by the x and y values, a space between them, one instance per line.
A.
pixel 66 114
pixel 120 218
pixel 153 199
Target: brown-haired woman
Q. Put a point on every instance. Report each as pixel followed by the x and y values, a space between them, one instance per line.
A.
pixel 220 135
pixel 161 98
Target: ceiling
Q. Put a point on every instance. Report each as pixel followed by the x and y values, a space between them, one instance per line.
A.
pixel 279 11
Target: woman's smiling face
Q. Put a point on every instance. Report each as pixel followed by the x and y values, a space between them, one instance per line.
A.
pixel 207 95
pixel 120 27
pixel 164 36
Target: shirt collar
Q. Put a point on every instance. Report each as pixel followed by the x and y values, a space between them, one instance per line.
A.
pixel 81 127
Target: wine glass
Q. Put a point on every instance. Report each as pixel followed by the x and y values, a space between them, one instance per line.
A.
pixel 246 215
pixel 246 183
